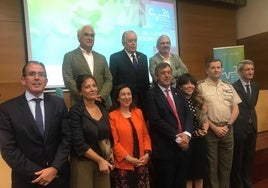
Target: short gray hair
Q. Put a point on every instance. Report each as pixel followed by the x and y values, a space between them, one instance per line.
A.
pixel 241 64
pixel 160 37
pixel 124 35
pixel 79 31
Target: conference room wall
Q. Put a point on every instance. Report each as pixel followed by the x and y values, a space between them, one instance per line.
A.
pixel 199 31
pixel 201 27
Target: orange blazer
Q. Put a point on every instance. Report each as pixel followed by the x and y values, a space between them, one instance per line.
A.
pixel 123 139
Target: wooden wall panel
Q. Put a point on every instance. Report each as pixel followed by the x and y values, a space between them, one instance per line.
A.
pixel 10 90
pixel 256 48
pixel 201 28
pixel 262 111
pixel 11 10
pixel 12 48
pixel 12 51
pixel 5 172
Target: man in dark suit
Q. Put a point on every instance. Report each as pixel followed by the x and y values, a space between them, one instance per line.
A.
pixel 130 67
pixel 245 126
pixel 83 60
pixel 169 129
pixel 36 151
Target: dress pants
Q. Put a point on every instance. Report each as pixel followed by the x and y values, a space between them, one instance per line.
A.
pixel 243 160
pixel 171 173
pixel 219 159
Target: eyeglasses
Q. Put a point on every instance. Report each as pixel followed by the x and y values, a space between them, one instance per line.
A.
pixel 89 35
pixel 33 74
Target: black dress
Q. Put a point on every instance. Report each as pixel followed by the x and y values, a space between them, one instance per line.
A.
pixel 197 150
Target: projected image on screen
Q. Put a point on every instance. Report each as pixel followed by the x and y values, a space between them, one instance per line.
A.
pixel 51 27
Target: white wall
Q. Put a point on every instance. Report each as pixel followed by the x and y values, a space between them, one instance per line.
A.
pixel 252 19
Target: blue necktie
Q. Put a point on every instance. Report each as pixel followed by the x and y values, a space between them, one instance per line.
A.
pixel 39 116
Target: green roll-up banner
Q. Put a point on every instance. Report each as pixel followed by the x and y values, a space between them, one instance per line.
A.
pixel 230 57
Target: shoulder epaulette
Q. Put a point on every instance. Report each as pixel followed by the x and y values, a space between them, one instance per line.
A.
pixel 226 82
pixel 201 81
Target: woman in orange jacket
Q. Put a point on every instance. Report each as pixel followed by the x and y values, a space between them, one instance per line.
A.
pixel 132 144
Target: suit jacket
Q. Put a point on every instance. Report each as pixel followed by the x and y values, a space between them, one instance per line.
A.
pixel 124 72
pixel 74 64
pixel 123 138
pixel 246 108
pixel 163 123
pixel 178 67
pixel 24 148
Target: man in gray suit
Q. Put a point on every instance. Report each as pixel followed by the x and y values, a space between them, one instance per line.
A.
pixel 83 60
pixel 163 45
pixel 245 126
pixel 35 137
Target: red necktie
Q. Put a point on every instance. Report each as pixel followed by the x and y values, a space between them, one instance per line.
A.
pixel 172 105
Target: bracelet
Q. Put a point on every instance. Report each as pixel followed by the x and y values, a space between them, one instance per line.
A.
pixel 148 152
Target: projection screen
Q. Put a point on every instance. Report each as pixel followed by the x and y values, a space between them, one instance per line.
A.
pixel 51 28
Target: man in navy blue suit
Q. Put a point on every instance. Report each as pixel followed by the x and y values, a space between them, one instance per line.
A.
pixel 37 155
pixel 245 126
pixel 169 120
pixel 130 67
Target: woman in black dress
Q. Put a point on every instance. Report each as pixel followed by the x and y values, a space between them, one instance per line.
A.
pixel 197 149
pixel 91 158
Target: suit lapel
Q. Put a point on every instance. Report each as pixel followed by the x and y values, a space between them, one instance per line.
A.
pixel 163 97
pixel 83 61
pixel 95 67
pixel 242 91
pixel 244 94
pixel 128 60
pixel 253 93
pixel 27 114
pixel 49 109
pixel 176 101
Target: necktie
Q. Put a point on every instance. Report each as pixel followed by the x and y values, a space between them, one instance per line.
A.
pixel 172 105
pixel 38 115
pixel 248 91
pixel 248 98
pixel 134 61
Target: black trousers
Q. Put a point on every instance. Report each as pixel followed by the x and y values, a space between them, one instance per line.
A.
pixel 243 159
pixel 170 173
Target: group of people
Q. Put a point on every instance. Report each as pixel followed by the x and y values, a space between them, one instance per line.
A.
pixel 122 132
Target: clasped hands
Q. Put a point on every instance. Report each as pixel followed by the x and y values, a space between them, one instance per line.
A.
pixel 184 142
pixel 138 162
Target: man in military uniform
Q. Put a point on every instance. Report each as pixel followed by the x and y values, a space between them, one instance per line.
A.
pixel 222 101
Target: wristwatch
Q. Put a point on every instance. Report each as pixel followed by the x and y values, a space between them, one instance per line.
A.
pixel 229 125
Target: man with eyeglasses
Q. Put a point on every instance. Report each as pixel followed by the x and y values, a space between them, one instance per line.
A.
pixel 84 60
pixel 34 133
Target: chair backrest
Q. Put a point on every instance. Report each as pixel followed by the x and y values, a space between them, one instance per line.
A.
pixel 59 92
